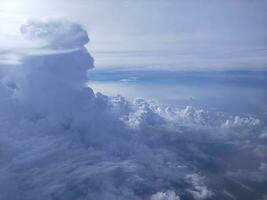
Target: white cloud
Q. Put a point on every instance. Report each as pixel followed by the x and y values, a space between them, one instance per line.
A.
pixel 263 135
pixel 9 59
pixel 58 33
pixel 199 190
pixel 238 121
pixel 145 113
pixel 168 195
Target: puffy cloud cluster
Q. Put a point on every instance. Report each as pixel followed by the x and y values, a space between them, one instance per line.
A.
pixel 142 113
pixel 60 140
pixel 238 121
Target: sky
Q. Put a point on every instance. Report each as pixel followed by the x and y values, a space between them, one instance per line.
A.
pixel 162 34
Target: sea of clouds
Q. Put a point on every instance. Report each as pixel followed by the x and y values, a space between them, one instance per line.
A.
pixel 61 141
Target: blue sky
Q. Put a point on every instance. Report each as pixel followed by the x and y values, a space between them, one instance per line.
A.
pixel 166 35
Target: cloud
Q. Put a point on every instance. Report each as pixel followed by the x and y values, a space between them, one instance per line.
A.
pixel 263 136
pixel 58 33
pixel 49 36
pixel 144 113
pixel 9 59
pixel 68 137
pixel 238 121
pixel 199 190
pixel 168 195
pixel 130 79
pixel 60 140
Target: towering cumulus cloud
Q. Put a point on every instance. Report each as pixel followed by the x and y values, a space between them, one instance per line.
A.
pixel 61 141
pixel 53 81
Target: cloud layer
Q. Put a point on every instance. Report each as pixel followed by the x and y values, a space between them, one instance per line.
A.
pixel 60 140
